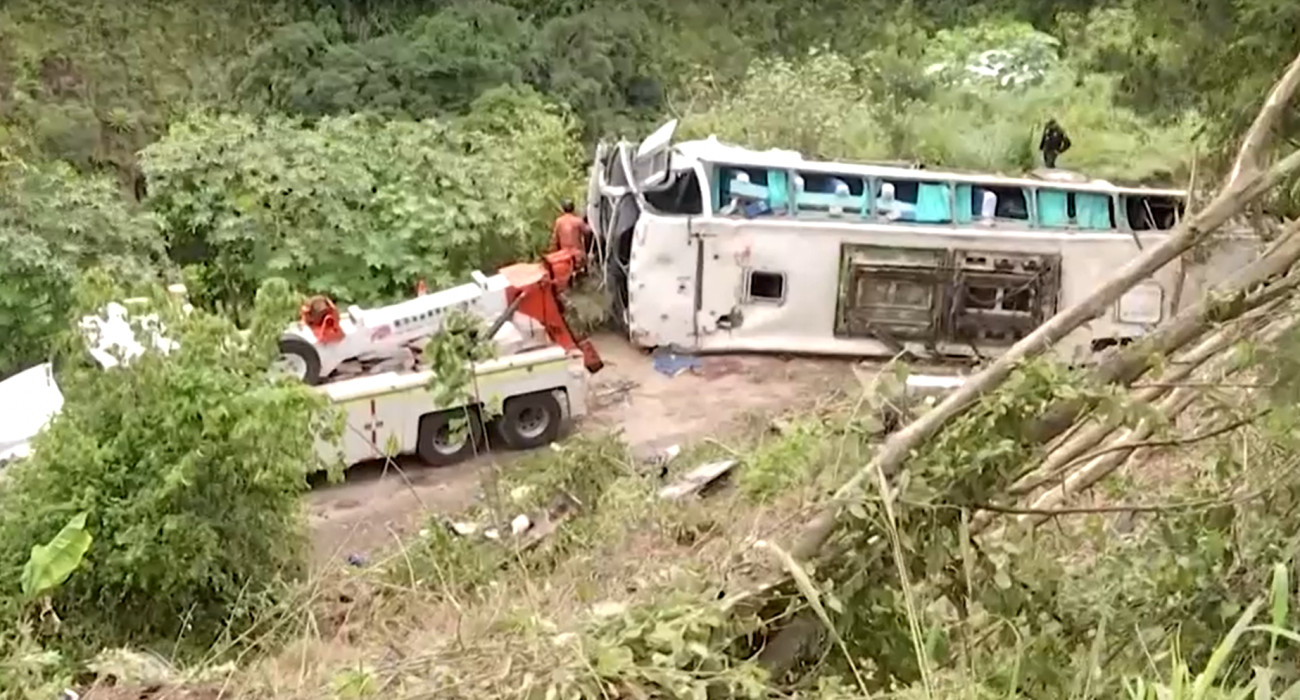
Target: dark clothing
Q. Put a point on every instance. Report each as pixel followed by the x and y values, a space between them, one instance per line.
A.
pixel 1054 143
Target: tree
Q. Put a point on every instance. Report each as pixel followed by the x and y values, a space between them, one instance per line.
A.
pixel 355 207
pixel 602 63
pixel 54 224
pixel 436 64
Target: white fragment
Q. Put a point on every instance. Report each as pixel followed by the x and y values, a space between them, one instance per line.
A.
pixel 609 608
pixel 464 529
pixel 519 493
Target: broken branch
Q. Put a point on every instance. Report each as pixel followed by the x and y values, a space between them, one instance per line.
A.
pixel 1252 145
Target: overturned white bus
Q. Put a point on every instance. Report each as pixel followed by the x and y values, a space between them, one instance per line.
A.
pixel 709 247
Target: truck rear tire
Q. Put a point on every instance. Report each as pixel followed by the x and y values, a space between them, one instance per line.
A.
pixel 529 421
pixel 300 358
pixel 449 437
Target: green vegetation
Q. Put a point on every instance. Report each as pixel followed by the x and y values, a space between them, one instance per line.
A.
pixel 357 207
pixel 186 480
pixel 258 151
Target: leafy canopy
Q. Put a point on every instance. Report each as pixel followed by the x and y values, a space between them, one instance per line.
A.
pixel 925 101
pixel 55 224
pixel 356 207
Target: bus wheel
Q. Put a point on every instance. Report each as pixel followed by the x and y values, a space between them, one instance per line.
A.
pixel 448 437
pixel 529 421
pixel 300 359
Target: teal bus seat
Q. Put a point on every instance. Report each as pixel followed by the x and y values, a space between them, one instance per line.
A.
pixel 825 201
pixel 778 190
pixel 741 188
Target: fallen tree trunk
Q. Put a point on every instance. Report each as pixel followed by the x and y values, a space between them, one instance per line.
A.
pixel 1058 461
pixel 1126 444
pixel 1254 310
pixel 898 446
pixel 1126 365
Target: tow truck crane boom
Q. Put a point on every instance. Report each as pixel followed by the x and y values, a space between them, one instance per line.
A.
pixel 518 297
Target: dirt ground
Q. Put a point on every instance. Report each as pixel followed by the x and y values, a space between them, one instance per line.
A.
pixel 375 506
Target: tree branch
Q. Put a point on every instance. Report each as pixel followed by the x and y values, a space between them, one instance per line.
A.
pixel 1252 145
pixel 1170 442
pixel 1258 280
pixel 1126 508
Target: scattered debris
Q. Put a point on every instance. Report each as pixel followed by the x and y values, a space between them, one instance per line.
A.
pixel 527 530
pixel 697 480
pixel 671 364
pixel 357 560
pixel 607 394
pixel 919 393
pixel 657 463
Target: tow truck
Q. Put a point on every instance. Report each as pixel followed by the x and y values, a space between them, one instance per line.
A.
pixel 538 376
pixel 368 363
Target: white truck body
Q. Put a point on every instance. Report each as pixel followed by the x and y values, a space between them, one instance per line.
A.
pixel 374 333
pixel 385 413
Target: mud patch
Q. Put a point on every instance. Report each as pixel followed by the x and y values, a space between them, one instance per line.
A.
pixel 715 367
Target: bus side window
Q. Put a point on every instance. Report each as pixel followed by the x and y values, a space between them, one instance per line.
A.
pixel 1009 203
pixel 1152 212
pixel 896 199
pixel 830 194
pixel 742 191
pixel 922 202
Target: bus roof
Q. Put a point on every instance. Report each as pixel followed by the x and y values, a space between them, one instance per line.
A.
pixel 711 150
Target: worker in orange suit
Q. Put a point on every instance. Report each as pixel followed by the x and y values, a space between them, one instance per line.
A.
pixel 570 233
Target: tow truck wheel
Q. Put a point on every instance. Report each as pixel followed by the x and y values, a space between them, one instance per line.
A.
pixel 448 437
pixel 299 358
pixel 530 421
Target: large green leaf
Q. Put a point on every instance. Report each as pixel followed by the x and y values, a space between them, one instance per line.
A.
pixel 51 564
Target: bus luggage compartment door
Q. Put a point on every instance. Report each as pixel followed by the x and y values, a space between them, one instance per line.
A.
pixel 891 294
pixel 999 298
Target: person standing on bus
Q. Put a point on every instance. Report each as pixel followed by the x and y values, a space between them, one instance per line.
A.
pixel 570 233
pixel 1053 143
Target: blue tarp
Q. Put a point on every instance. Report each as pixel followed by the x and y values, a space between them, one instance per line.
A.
pixel 671 364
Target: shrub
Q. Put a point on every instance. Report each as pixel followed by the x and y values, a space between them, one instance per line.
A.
pixel 54 224
pixel 189 466
pixel 355 207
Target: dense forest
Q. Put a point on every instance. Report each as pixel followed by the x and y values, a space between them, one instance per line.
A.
pixel 249 137
pixel 257 151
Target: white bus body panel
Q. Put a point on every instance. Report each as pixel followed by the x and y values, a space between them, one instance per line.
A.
pixel 687 274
